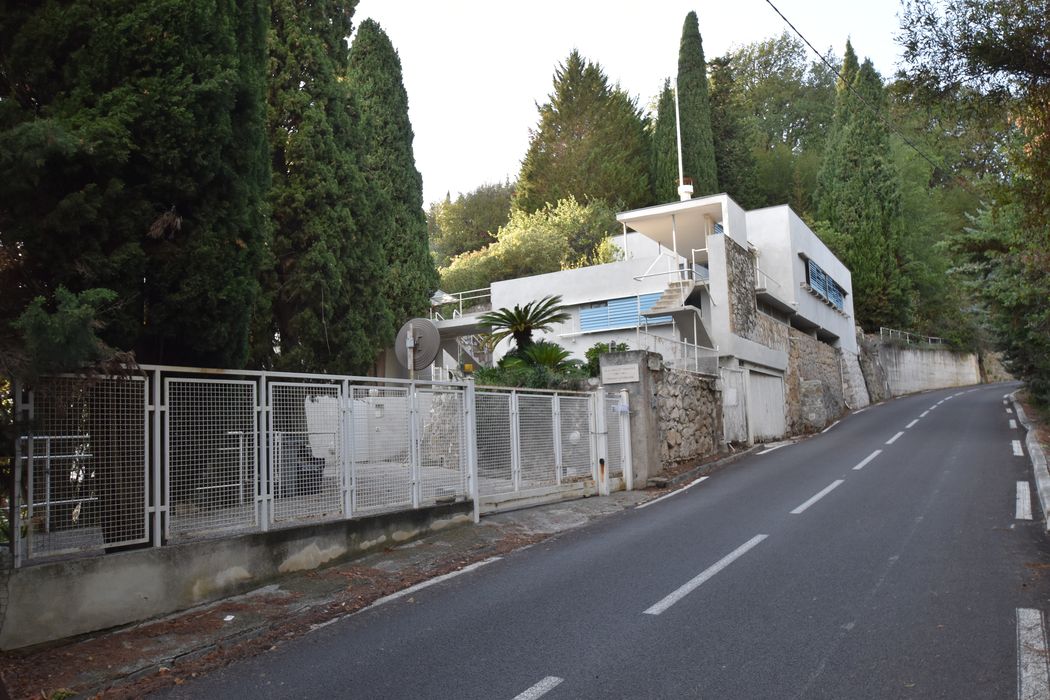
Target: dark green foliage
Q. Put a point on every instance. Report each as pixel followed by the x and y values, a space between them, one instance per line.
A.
pixel 132 158
pixel 665 149
pixel 541 365
pixel 595 352
pixel 591 143
pixel 554 238
pixel 698 150
pixel 56 341
pixel 521 321
pixel 731 132
pixel 330 311
pixel 470 222
pixel 989 52
pixel 859 197
pixel 389 166
pixel 786 106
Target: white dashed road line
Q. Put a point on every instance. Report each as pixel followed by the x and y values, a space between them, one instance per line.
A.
pixel 867 459
pixel 540 689
pixel 704 576
pixel 1016 444
pixel 1033 672
pixel 911 425
pixel 924 414
pixel 823 492
pixel 894 438
pixel 1023 506
pixel 673 493
pixel 1013 424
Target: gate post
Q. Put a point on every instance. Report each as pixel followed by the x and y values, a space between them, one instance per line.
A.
pixel 264 486
pixel 515 443
pixel 601 441
pixel 556 430
pixel 413 451
pixel 157 472
pixel 470 430
pixel 625 439
pixel 346 428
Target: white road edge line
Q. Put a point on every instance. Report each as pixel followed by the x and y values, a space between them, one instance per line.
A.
pixel 866 460
pixel 1013 424
pixel 703 576
pixel 673 493
pixel 1023 507
pixel 1016 444
pixel 912 424
pixel 540 689
pixel 430 582
pixel 861 410
pixel 774 447
pixel 824 492
pixel 894 438
pixel 1033 673
pixel 830 427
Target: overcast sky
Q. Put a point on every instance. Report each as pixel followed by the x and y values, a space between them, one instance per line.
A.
pixel 475 69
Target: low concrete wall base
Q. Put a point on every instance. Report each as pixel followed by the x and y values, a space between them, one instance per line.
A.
pixel 59 599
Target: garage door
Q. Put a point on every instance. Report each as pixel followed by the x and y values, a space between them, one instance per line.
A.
pixel 765 406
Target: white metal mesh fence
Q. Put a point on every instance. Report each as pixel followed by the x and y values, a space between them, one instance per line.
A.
pixel 251 450
pixel 84 466
pixel 536 436
pixel 381 449
pixel 212 456
pixel 306 451
pixel 575 433
pixel 495 464
pixel 443 445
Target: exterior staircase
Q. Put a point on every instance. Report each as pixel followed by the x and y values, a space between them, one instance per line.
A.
pixel 673 298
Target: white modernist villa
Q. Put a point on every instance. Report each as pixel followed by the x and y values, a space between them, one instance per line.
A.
pixel 699 281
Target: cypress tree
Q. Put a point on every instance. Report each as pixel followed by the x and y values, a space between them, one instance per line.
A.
pixel 329 310
pixel 389 165
pixel 665 148
pixel 132 158
pixel 591 144
pixel 860 199
pixel 732 136
pixel 698 150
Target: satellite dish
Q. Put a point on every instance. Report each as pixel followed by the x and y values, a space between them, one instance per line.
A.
pixel 426 341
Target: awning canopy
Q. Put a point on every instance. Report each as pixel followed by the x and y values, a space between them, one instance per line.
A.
pixel 680 226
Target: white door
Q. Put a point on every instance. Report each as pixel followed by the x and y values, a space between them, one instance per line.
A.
pixel 765 406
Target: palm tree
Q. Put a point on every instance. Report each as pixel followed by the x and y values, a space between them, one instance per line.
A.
pixel 543 354
pixel 520 322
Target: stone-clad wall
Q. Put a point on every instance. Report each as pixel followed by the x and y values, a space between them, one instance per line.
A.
pixel 688 414
pixel 740 271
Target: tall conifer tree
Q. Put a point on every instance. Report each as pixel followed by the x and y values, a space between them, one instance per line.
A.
pixel 698 150
pixel 330 312
pixel 732 136
pixel 390 166
pixel 591 144
pixel 133 158
pixel 665 148
pixel 860 199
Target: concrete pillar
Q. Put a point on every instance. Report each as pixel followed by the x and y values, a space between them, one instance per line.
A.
pixel 632 372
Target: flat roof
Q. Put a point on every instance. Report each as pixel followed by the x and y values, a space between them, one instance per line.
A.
pixel 684 222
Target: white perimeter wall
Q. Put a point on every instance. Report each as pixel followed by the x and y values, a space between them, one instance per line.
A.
pixel 909 369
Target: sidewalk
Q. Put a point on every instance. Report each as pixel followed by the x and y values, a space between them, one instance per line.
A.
pixel 135 660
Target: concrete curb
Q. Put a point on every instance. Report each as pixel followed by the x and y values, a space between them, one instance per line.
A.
pixel 1038 458
pixel 711 467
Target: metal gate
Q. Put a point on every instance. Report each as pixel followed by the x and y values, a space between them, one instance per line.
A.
pixel 765 406
pixel 83 469
pixel 734 408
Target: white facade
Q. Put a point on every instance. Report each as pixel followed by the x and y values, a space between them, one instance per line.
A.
pixel 784 243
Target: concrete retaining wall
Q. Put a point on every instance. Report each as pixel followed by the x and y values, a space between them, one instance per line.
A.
pixel 59 599
pixel 913 369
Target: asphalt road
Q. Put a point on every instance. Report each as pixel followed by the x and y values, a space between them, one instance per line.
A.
pixel 817 570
